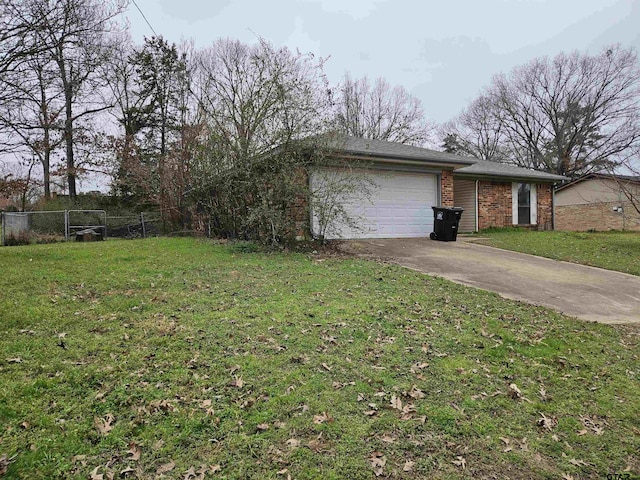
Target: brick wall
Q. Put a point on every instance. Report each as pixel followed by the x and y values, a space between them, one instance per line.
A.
pixel 446 188
pixel 494 204
pixel 597 216
pixel 495 208
pixel 545 206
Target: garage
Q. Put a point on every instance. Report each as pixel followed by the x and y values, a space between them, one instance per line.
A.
pixel 398 205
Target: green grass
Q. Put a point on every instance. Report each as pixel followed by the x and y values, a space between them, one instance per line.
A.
pixel 611 250
pixel 263 365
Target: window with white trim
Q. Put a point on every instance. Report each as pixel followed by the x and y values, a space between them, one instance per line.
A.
pixel 524 203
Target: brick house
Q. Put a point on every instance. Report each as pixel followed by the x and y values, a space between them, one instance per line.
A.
pixel 410 180
pixel 598 202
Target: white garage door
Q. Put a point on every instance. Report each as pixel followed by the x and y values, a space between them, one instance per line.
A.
pixel 399 204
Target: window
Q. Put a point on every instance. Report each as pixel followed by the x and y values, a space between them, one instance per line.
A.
pixel 525 203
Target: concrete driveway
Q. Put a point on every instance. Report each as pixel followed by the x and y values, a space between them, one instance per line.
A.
pixel 585 292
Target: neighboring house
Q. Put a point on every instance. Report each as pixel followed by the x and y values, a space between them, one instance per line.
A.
pixel 598 202
pixel 410 180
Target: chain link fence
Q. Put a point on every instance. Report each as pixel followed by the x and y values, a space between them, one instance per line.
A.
pixel 22 228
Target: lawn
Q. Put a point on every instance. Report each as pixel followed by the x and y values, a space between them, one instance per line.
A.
pixel 611 250
pixel 186 359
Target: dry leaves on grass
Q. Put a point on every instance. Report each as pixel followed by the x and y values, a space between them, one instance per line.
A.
pixel 378 461
pixel 408 466
pixel 94 475
pixel 507 442
pixel 594 425
pixel 322 418
pixel 237 381
pixel 4 464
pixel 167 467
pixel 293 443
pixel 199 474
pixel 134 452
pixel 460 462
pixel 548 423
pixel 104 425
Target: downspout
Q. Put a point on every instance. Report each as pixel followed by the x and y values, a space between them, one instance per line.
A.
pixel 553 206
pixel 477 206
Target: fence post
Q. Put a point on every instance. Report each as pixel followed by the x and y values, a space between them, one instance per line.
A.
pixel 66 225
pixel 2 234
pixel 144 229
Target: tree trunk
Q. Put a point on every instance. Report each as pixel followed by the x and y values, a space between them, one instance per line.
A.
pixel 68 137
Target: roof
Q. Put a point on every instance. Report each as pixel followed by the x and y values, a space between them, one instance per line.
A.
pixel 600 176
pixel 393 150
pixel 486 168
pixel 467 166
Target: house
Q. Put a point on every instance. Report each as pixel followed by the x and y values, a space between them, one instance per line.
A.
pixel 598 202
pixel 410 180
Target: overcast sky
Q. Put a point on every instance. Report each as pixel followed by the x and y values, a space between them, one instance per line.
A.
pixel 444 52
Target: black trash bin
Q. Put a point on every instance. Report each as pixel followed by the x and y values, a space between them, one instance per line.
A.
pixel 445 223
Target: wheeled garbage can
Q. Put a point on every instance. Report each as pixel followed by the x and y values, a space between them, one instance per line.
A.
pixel 445 223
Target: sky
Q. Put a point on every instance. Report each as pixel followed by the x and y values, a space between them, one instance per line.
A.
pixel 443 52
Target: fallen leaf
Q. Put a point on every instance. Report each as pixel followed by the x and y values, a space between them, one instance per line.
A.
pixel 4 464
pixel 543 395
pixel 416 393
pixel 378 461
pixel 134 452
pixel 263 427
pixel 547 422
pixel 126 471
pixel 237 382
pixel 215 468
pixel 14 360
pixel 167 467
pixel 408 466
pixel 396 403
pixel 94 475
pixel 103 425
pixel 322 418
pixel 326 367
pixel 293 442
pixel 514 391
pixel 189 474
pixel 460 462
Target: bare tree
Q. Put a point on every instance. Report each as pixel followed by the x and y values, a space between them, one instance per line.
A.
pixel 259 103
pixel 573 114
pixel 73 33
pixel 627 178
pixel 17 24
pixel 381 112
pixel 476 132
pixel 30 116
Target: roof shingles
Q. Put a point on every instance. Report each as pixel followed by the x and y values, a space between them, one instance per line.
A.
pixel 466 166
